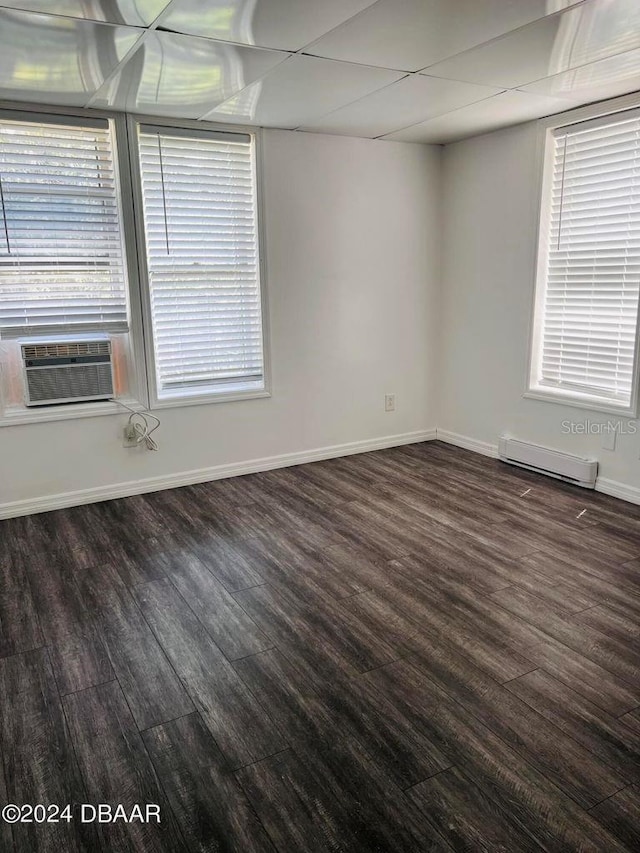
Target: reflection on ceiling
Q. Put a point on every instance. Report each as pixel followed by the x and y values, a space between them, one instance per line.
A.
pixel 409 70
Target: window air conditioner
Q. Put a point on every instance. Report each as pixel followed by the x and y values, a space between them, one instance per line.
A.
pixel 66 370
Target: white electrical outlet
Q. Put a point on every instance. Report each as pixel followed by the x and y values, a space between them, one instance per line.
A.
pixel 389 402
pixel 129 436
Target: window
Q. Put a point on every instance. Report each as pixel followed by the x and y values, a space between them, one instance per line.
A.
pixel 585 342
pixel 199 199
pixel 72 263
pixel 62 266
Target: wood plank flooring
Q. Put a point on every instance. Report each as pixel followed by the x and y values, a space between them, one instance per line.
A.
pixel 409 650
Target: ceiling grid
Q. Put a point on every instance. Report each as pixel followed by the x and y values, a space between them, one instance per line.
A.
pixel 408 70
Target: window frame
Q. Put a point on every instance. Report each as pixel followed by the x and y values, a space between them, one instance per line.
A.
pixel 74 122
pixel 137 393
pixel 543 171
pixel 142 375
pixel 225 394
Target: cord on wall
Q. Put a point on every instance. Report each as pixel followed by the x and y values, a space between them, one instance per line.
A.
pixel 138 429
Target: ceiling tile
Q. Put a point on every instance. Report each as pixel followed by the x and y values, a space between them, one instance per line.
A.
pixel 301 89
pixel 499 111
pixel 406 102
pixel 57 60
pixel 285 24
pixel 183 76
pixel 133 12
pixel 578 36
pixel 411 34
pixel 605 79
pixel 517 58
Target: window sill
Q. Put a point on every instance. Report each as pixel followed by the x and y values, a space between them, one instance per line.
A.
pixel 228 396
pixel 17 415
pixel 581 402
pixel 20 415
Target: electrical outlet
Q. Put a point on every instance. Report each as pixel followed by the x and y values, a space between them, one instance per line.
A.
pixel 389 402
pixel 129 436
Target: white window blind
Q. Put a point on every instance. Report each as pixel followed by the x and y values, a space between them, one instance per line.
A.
pixel 589 319
pixel 62 263
pixel 200 217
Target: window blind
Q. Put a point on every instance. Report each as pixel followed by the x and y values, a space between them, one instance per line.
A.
pixel 202 249
pixel 62 266
pixel 590 312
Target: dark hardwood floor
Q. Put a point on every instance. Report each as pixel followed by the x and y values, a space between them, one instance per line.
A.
pixel 409 650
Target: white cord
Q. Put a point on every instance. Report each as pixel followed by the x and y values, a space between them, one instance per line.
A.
pixel 141 425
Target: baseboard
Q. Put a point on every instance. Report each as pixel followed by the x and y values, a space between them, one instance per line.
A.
pixel 467 443
pixel 618 490
pixel 47 503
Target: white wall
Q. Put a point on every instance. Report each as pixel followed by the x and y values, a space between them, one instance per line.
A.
pixel 490 196
pixel 352 250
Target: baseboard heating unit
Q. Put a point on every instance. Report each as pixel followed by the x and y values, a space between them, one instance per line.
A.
pixel 562 466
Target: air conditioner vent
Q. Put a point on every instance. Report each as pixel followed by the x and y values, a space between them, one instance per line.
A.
pixel 55 383
pixel 66 349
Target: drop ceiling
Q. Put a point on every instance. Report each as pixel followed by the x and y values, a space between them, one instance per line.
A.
pixel 409 70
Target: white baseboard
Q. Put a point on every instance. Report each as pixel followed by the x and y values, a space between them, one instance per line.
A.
pixel 218 472
pixel 203 475
pixel 618 490
pixel 467 443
